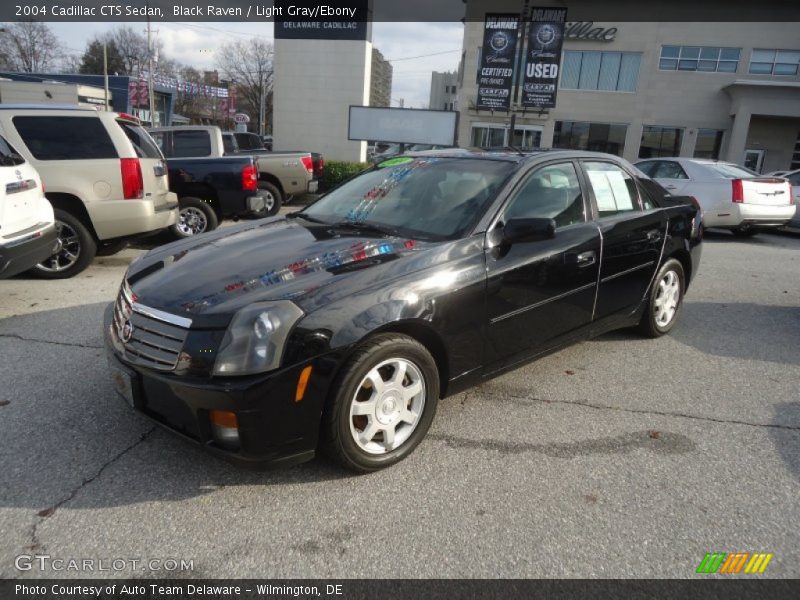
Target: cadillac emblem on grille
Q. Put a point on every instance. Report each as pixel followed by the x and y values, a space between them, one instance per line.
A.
pixel 126 332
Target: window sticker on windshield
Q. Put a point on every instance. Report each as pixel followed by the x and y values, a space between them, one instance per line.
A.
pixel 393 162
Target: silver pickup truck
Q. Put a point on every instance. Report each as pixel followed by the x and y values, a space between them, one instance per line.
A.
pixel 281 175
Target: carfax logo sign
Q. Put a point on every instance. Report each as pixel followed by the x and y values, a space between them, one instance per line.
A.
pixel 543 58
pixel 496 71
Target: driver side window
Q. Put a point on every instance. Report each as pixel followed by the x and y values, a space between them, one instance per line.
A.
pixel 552 192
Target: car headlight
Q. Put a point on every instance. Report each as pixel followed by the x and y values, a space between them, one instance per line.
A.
pixel 256 337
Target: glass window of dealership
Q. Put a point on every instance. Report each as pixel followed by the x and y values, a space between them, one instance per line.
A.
pixel 726 91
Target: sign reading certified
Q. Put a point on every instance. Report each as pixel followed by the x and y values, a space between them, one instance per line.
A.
pixel 305 20
pixel 543 57
pixel 496 71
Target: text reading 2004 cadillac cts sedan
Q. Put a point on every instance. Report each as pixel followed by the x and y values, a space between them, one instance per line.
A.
pixel 340 327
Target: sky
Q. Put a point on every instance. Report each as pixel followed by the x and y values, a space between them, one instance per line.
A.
pixel 415 49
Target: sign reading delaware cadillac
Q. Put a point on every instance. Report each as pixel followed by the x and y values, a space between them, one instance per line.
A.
pixel 543 57
pixel 496 71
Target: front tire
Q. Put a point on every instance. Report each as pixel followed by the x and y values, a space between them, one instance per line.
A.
pixel 195 216
pixel 75 250
pixel 383 403
pixel 665 301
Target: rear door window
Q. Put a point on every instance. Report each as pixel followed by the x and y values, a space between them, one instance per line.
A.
pixel 669 169
pixel 8 156
pixel 228 144
pixel 614 190
pixel 190 143
pixel 65 138
pixel 143 144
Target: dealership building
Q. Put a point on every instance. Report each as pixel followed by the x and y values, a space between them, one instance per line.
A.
pixel 729 91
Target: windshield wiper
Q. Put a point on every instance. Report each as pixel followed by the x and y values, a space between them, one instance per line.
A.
pixel 365 226
pixel 302 215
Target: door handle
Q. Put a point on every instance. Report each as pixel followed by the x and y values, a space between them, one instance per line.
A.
pixel 587 258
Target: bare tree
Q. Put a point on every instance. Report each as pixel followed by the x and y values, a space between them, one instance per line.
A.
pixel 132 46
pixel 31 46
pixel 248 64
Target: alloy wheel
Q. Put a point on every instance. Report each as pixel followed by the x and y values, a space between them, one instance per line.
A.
pixel 191 221
pixel 269 201
pixel 387 406
pixel 668 295
pixel 67 251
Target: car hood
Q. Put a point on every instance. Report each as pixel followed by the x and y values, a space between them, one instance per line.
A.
pixel 208 278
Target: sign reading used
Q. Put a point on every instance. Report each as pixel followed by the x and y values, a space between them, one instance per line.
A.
pixel 496 71
pixel 543 58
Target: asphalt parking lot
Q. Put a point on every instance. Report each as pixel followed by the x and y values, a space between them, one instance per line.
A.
pixel 619 457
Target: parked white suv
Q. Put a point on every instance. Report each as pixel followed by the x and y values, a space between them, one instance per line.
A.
pixel 103 174
pixel 730 196
pixel 27 227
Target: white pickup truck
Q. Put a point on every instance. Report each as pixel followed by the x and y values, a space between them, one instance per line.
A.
pixel 281 175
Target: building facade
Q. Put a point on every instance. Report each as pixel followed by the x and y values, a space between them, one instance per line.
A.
pixel 444 91
pixel 729 91
pixel 380 93
pixel 120 87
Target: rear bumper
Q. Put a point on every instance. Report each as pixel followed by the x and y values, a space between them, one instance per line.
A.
pixel 23 254
pixel 129 218
pixel 757 215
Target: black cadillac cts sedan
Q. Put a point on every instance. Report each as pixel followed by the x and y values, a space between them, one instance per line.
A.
pixel 339 327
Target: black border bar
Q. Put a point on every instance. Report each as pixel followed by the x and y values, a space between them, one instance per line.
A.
pixel 254 11
pixel 738 587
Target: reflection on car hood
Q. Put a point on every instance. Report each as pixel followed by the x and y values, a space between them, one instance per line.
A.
pixel 219 272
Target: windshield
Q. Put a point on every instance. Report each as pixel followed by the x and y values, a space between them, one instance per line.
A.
pixel 726 171
pixel 431 197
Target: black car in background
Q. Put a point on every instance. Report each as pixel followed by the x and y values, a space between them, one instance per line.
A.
pixel 338 328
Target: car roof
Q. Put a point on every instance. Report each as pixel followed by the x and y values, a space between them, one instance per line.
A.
pixel 688 159
pixel 72 107
pixel 508 154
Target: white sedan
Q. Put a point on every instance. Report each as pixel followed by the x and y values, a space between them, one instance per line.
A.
pixel 730 196
pixel 794 180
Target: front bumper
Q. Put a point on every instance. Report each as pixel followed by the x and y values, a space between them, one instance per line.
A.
pixel 273 428
pixel 27 252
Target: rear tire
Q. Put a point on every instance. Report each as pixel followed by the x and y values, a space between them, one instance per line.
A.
pixel 112 248
pixel 368 426
pixel 666 299
pixel 745 231
pixel 273 200
pixel 195 216
pixel 76 249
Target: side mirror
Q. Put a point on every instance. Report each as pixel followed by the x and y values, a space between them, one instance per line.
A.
pixel 528 230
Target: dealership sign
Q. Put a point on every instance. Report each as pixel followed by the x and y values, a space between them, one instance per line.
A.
pixel 543 57
pixel 496 71
pixel 308 20
pixel 586 31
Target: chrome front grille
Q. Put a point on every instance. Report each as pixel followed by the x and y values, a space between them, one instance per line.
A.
pixel 149 337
